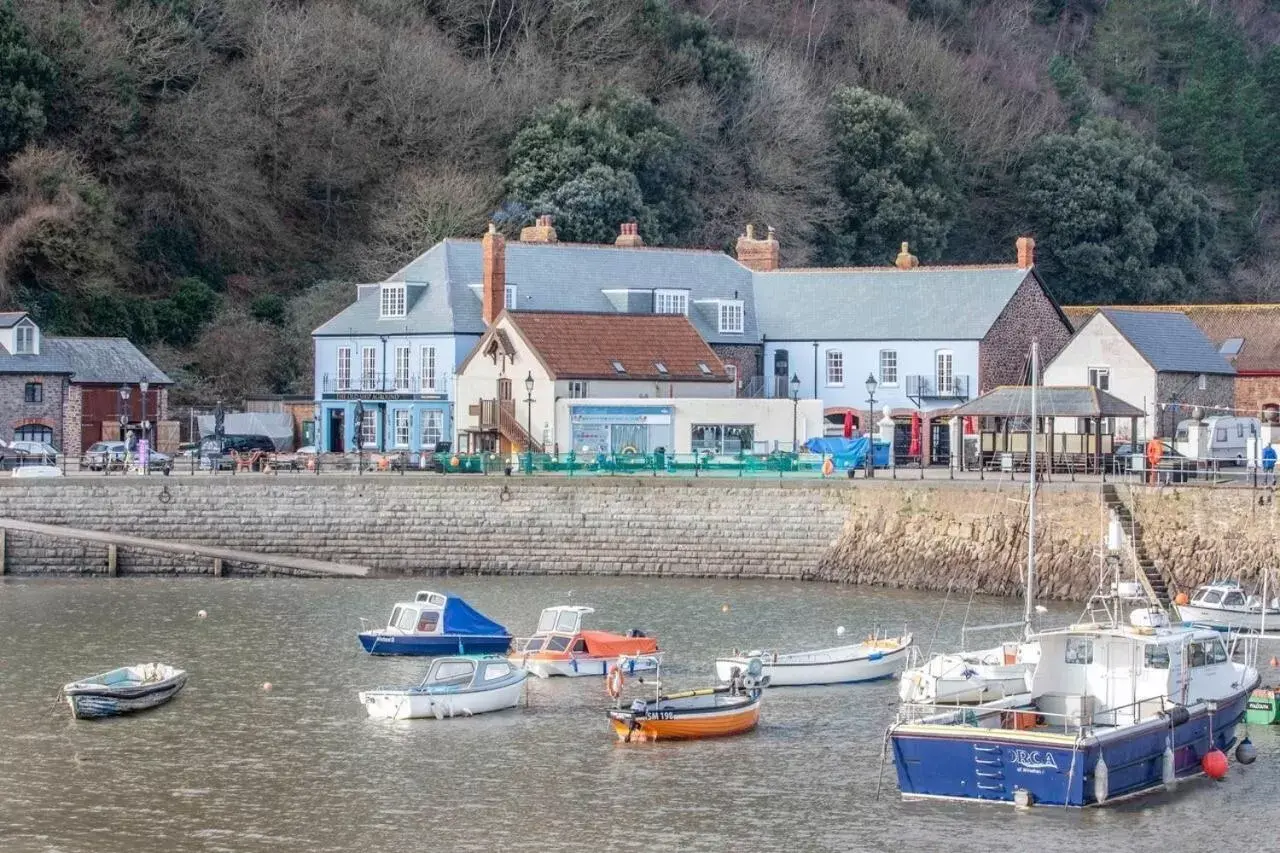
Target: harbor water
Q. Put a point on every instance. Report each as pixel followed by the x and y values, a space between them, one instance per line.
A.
pixel 229 766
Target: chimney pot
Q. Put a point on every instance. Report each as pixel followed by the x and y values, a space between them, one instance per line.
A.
pixel 542 231
pixel 629 235
pixel 1026 252
pixel 760 255
pixel 905 259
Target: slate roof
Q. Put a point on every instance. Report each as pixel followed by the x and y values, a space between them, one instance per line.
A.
pixel 585 346
pixel 87 360
pixel 1168 341
pixel 564 277
pixel 10 318
pixel 1052 401
pixel 925 303
pixel 1257 325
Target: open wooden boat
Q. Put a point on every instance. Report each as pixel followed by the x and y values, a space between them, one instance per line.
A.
pixel 707 712
pixel 560 646
pixel 453 686
pixel 124 690
pixel 865 661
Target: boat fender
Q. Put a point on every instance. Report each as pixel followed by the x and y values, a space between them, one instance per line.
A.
pixel 1177 715
pixel 1246 752
pixel 1168 770
pixel 613 682
pixel 1101 781
pixel 876 655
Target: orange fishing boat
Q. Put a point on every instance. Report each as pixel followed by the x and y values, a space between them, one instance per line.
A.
pixel 560 646
pixel 707 712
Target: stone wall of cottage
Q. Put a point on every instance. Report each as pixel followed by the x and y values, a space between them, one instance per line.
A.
pixel 1003 353
pixel 1184 390
pixel 16 412
pixel 1254 392
pixel 924 535
pixel 746 357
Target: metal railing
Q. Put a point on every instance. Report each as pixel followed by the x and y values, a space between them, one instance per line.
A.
pixel 929 387
pixel 383 383
pixel 760 387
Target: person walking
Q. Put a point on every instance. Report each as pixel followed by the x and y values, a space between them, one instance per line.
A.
pixel 1269 465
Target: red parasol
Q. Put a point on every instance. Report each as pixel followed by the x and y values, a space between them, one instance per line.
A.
pixel 915 435
pixel 969 426
pixel 848 424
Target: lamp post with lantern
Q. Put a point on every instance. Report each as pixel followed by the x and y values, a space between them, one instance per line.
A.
pixel 528 440
pixel 795 413
pixel 144 443
pixel 871 419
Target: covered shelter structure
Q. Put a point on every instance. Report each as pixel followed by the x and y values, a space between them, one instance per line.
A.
pixel 1003 431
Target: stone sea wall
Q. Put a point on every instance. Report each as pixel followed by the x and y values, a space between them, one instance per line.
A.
pixel 925 535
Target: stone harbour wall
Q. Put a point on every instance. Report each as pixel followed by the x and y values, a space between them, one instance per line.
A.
pixel 923 535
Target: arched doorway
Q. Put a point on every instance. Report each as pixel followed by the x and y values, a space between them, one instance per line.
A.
pixel 33 432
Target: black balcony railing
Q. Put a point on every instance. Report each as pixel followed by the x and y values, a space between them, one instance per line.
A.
pixel 383 384
pixel 757 387
pixel 938 387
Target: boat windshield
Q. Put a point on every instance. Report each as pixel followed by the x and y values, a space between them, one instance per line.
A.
pixel 495 670
pixel 408 618
pixel 428 621
pixel 455 673
pixel 1233 599
pixel 395 616
pixel 568 622
pixel 558 643
pixel 547 621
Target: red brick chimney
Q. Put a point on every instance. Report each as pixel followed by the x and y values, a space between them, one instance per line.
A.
pixel 759 255
pixel 1026 253
pixel 494 296
pixel 629 236
pixel 541 231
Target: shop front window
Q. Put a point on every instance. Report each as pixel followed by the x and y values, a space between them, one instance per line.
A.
pixel 722 438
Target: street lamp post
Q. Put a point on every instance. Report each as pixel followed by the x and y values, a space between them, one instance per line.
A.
pixel 871 419
pixel 124 419
pixel 528 440
pixel 795 412
pixel 145 453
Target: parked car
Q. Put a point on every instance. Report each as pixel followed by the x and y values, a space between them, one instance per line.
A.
pixel 215 453
pixel 112 455
pixel 41 451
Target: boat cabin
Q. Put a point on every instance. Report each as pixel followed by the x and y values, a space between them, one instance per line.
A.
pixel 1226 595
pixel 558 630
pixel 463 673
pixel 1090 675
pixel 422 616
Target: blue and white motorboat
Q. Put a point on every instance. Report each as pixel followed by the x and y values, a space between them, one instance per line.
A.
pixel 436 624
pixel 124 690
pixel 453 686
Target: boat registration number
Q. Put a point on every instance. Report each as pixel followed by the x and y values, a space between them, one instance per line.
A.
pixel 662 715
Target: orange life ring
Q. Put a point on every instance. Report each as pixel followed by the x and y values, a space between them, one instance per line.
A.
pixel 311 464
pixel 613 682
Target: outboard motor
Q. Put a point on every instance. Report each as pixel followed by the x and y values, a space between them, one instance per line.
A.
pixel 636 632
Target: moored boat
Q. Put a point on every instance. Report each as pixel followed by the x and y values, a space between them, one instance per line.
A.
pixel 703 713
pixel 560 646
pixel 453 686
pixel 868 660
pixel 1226 606
pixel 124 690
pixel 960 678
pixel 436 624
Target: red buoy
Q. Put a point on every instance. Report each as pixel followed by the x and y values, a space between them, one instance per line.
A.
pixel 1214 764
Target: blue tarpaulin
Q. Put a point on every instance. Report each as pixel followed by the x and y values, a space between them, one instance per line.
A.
pixel 462 618
pixel 849 452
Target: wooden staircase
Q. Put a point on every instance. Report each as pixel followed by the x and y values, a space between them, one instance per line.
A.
pixel 1154 578
pixel 510 428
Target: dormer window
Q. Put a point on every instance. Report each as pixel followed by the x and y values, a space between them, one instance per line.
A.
pixel 660 367
pixel 702 366
pixel 393 301
pixel 25 342
pixel 618 368
pixel 731 317
pixel 671 302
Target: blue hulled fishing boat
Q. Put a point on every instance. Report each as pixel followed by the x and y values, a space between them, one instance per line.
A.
pixel 436 624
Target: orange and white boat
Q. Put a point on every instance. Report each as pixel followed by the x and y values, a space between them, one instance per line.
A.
pixel 559 646
pixel 708 712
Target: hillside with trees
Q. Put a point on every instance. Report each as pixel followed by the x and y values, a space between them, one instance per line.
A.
pixel 210 177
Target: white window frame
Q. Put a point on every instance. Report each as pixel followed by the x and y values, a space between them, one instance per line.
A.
pixel 732 317
pixel 402 426
pixel 944 362
pixel 431 429
pixel 428 368
pixel 368 368
pixel 1203 382
pixel 667 301
pixel 1100 378
pixel 369 428
pixel 835 368
pixel 577 389
pixel 889 368
pixel 344 368
pixel 25 340
pixel 402 368
pixel 510 298
pixel 392 301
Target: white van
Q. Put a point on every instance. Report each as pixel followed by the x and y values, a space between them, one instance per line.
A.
pixel 1220 437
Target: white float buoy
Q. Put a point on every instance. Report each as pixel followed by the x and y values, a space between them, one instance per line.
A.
pixel 840 631
pixel 202 614
pixel 1041 609
pixel 266 686
pixel 724 608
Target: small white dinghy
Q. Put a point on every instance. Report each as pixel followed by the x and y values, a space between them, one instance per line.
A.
pixel 865 661
pixel 454 686
pixel 124 690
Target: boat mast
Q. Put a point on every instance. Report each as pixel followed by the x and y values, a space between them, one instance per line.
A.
pixel 1030 593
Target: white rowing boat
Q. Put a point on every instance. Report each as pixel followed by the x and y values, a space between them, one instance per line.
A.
pixel 865 661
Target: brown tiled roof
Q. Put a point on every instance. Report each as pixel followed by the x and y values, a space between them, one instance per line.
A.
pixel 585 346
pixel 1257 325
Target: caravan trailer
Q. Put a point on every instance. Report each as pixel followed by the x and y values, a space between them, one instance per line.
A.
pixel 1220 437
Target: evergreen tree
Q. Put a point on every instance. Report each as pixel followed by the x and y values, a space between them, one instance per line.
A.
pixel 26 80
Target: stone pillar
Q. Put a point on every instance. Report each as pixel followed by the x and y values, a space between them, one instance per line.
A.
pixel 955 439
pixel 885 430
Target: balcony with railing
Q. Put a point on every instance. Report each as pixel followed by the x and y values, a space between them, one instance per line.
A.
pixel 364 385
pixel 954 387
pixel 759 387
